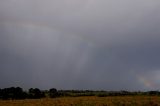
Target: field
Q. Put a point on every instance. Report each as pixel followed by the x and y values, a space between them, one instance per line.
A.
pixel 87 101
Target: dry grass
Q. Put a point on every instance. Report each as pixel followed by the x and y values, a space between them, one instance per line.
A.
pixel 87 101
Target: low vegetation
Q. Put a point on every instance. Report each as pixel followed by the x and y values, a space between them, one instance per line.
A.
pixel 14 93
pixel 87 101
pixel 16 96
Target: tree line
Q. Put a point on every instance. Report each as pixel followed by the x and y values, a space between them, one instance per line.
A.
pixel 15 93
pixel 32 93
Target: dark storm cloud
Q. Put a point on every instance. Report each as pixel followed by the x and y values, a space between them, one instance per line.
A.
pixel 83 44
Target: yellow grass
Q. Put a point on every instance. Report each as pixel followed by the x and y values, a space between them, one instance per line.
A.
pixel 87 101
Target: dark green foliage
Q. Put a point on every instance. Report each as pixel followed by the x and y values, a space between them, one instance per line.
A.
pixel 153 93
pixel 53 93
pixel 36 93
pixel 76 93
pixel 12 93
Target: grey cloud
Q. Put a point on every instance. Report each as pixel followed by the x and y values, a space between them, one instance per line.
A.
pixel 87 44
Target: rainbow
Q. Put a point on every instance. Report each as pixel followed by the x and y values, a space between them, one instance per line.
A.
pixel 49 27
pixel 146 82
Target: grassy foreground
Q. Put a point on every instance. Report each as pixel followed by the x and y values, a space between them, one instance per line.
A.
pixel 87 101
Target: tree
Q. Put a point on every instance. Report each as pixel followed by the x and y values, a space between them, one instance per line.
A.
pixel 53 93
pixel 0 93
pixel 36 93
pixel 12 93
pixel 19 94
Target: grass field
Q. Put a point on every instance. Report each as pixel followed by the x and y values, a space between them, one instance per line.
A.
pixel 87 101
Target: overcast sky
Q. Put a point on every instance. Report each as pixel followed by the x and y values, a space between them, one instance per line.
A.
pixel 80 44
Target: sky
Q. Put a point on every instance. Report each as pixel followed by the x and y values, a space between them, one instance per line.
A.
pixel 80 44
